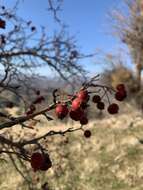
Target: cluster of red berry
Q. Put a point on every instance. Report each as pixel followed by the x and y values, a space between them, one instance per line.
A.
pixel 113 108
pixel 40 161
pixel 77 108
pixel 79 103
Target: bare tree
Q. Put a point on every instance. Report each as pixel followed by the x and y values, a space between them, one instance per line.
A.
pixel 128 26
pixel 23 48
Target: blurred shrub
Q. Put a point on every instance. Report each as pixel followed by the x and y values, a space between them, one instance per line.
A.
pixel 121 74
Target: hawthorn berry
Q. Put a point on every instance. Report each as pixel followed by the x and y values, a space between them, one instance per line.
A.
pixel 96 99
pixel 46 163
pixel 113 108
pixel 76 103
pixel 84 120
pixel 83 95
pixel 37 160
pixel 61 111
pixel 100 105
pixel 120 87
pixel 2 24
pixel 37 92
pixel 120 95
pixel 76 114
pixel 84 105
pixel 87 133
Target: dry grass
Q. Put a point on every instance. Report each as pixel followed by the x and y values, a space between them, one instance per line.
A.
pixel 112 159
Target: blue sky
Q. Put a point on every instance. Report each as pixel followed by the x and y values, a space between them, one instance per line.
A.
pixel 86 19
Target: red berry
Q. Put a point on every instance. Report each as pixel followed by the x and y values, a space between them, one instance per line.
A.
pixel 100 105
pixel 87 133
pixel 38 92
pixel 76 114
pixel 96 99
pixel 84 120
pixel 113 108
pixel 46 163
pixel 37 160
pixel 76 103
pixel 84 105
pixel 120 95
pixel 61 111
pixel 120 87
pixel 83 95
pixel 2 24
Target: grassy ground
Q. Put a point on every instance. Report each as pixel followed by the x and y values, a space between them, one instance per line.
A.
pixel 112 159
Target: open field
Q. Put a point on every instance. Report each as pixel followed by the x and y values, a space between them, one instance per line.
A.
pixel 111 159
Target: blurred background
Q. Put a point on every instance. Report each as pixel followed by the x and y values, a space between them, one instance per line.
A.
pixel 81 39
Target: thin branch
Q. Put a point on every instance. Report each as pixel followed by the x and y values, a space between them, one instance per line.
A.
pixel 50 133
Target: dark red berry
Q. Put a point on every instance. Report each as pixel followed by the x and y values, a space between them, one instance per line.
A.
pixel 120 95
pixel 61 111
pixel 84 105
pixel 38 92
pixel 84 120
pixel 73 115
pixel 100 105
pixel 76 115
pixel 83 95
pixel 113 108
pixel 46 163
pixel 120 87
pixel 87 133
pixel 76 103
pixel 37 160
pixel 96 99
pixel 2 24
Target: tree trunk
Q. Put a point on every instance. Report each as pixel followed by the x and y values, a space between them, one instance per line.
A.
pixel 138 76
